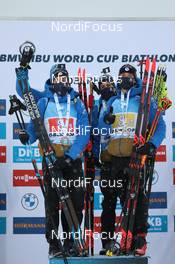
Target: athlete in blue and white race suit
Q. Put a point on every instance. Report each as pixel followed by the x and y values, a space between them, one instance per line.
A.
pixel 120 117
pixel 65 119
pixel 107 89
pixel 101 156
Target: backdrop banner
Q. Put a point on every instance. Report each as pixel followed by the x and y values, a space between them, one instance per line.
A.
pixel 93 46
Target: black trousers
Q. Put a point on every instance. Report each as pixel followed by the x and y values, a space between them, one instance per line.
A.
pixel 117 172
pixel 75 172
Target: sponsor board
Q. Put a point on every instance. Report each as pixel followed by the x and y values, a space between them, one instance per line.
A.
pixel 155 178
pixel 97 223
pixel 2 225
pixel 16 129
pixel 28 225
pixel 24 154
pixel 3 201
pixel 3 154
pixel 158 200
pixel 158 223
pixel 173 152
pixel 25 178
pixel 174 176
pixel 173 129
pixel 98 199
pixel 161 154
pixel 29 201
pixel 2 130
pixel 2 107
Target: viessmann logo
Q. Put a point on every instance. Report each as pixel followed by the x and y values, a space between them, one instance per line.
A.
pixel 161 154
pixel 22 154
pixel 97 223
pixel 2 154
pixel 25 178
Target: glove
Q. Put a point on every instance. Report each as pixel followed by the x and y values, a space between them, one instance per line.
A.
pixel 26 58
pixel 23 137
pixel 97 163
pixel 63 163
pixel 148 149
pixel 109 118
pixel 95 88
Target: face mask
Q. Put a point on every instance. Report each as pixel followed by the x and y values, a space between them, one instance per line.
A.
pixel 125 83
pixel 106 93
pixel 60 88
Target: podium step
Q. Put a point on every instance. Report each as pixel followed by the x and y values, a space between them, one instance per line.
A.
pixel 102 260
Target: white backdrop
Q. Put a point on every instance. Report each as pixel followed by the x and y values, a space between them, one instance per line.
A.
pixel 59 38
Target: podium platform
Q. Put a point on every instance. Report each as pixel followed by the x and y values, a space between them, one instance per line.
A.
pixel 102 260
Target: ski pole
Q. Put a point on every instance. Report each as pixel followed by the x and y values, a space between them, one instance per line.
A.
pixel 141 63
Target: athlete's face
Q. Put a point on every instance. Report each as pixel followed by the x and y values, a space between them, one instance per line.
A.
pixel 60 78
pixel 124 79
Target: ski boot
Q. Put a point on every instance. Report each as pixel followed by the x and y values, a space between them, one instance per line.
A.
pixel 111 248
pixel 70 248
pixel 140 245
pixel 54 251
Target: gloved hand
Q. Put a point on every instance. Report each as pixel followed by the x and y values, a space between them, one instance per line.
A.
pixel 63 163
pixel 147 149
pixel 97 163
pixel 109 118
pixel 23 137
pixel 95 88
pixel 26 57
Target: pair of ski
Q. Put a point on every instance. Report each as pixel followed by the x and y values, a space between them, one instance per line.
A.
pixel 138 161
pixel 160 95
pixel 89 168
pixel 127 217
pixel 50 159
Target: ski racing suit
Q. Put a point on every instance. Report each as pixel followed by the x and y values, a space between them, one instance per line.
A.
pixel 73 115
pixel 119 146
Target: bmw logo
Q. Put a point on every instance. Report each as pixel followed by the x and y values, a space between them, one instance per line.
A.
pixel 155 177
pixel 126 69
pixel 29 201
